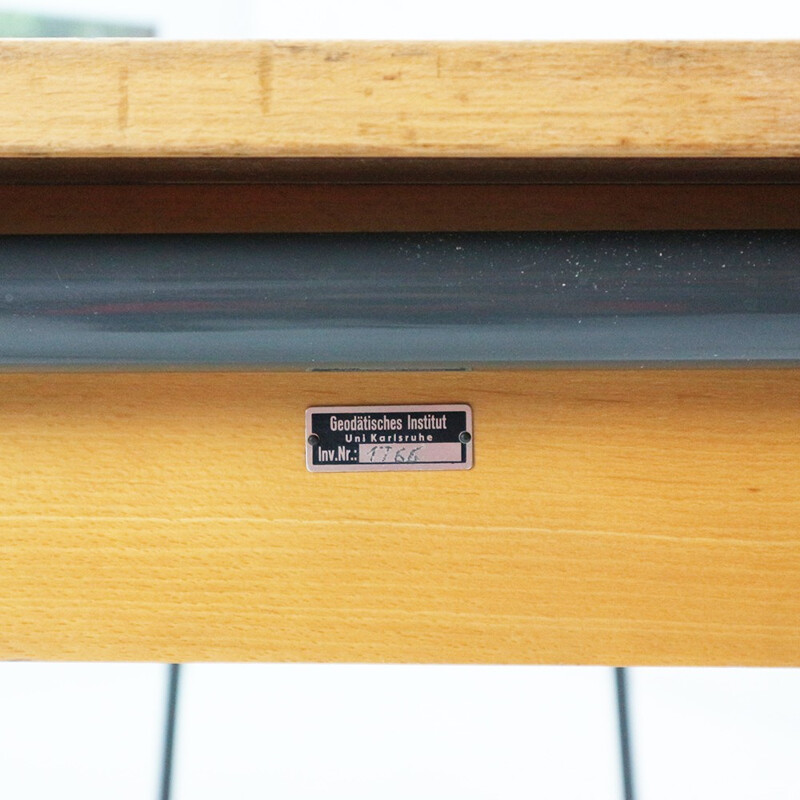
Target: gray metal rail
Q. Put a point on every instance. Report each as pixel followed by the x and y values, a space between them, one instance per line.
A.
pixel 399 301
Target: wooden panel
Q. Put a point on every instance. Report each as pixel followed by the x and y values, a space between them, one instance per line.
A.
pixel 612 517
pixel 395 170
pixel 266 209
pixel 341 99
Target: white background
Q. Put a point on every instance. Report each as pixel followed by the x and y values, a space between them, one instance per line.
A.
pixel 428 19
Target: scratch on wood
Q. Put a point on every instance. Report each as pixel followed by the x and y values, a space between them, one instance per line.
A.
pixel 123 102
pixel 265 78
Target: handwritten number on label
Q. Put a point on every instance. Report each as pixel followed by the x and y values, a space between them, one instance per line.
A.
pixel 381 453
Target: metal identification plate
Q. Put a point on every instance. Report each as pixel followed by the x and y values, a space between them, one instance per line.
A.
pixel 380 438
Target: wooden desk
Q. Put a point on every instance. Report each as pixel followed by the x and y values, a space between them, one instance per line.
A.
pixel 638 517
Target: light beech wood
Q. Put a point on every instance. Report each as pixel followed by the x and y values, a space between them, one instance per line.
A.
pixel 140 98
pixel 648 517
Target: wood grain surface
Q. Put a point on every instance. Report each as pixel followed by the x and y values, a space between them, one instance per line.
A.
pixel 612 517
pixel 141 98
